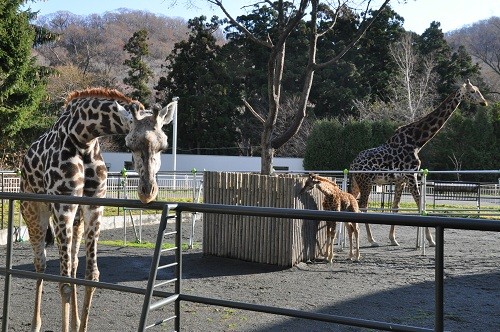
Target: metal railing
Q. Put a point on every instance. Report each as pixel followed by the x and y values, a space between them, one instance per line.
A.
pixel 172 186
pixel 487 200
pixel 439 223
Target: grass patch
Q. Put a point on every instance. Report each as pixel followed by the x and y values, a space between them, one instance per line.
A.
pixel 145 245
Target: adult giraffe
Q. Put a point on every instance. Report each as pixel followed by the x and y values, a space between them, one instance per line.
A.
pixel 66 160
pixel 400 153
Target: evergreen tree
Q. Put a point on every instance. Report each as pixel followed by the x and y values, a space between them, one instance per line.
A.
pixel 452 67
pixel 139 73
pixel 208 95
pixel 22 82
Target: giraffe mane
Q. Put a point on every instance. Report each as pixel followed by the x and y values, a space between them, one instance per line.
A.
pixel 101 93
pixel 322 179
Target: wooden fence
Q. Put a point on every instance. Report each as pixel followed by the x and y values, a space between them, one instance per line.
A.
pixel 278 241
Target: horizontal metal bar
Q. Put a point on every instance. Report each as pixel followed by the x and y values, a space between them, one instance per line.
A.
pixel 165 282
pixel 163 302
pixel 169 233
pixel 159 322
pixel 169 249
pixel 302 314
pixel 128 203
pixel 373 218
pixel 83 282
pixel 166 266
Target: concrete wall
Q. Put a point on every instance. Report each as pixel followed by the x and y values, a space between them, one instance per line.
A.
pixel 186 162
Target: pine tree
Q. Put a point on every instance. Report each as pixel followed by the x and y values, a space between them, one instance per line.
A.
pixel 139 73
pixel 22 82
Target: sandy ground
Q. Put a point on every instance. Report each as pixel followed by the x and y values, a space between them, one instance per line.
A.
pixel 394 284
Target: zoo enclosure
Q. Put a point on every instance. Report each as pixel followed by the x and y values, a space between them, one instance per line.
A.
pixel 176 297
pixel 184 186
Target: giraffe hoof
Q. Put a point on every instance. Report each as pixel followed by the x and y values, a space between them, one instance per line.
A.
pixel 374 244
pixel 394 243
pixel 432 244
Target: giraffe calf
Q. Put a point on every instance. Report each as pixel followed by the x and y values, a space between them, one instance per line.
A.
pixel 335 200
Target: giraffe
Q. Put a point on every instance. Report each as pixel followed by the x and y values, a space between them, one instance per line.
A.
pixel 335 200
pixel 66 160
pixel 400 153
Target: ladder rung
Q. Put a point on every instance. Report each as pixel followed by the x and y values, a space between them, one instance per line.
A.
pixel 163 302
pixel 167 265
pixel 169 249
pixel 160 322
pixel 165 282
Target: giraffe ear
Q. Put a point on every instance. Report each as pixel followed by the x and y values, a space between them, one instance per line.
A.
pixel 166 114
pixel 134 109
pixel 125 115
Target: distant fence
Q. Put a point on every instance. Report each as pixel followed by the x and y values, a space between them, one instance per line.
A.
pixel 172 186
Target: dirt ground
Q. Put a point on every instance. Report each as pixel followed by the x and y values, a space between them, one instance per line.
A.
pixel 394 284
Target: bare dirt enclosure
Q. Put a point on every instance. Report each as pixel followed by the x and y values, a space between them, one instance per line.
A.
pixel 394 284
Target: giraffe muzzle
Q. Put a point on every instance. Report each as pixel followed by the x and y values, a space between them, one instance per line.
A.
pixel 147 192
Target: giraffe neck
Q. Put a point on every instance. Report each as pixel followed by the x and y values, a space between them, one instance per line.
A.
pixel 327 187
pixel 90 118
pixel 418 133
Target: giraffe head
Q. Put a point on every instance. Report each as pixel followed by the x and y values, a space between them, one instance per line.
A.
pixel 146 140
pixel 311 181
pixel 472 94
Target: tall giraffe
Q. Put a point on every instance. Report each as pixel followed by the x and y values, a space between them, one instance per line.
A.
pixel 400 153
pixel 335 200
pixel 66 160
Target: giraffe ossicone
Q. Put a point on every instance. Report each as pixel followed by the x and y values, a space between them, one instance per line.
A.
pixel 400 153
pixel 67 160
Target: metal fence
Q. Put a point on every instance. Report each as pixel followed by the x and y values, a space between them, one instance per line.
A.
pixel 172 186
pixel 483 200
pixel 187 186
pixel 177 296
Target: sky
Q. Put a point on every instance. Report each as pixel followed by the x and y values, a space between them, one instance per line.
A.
pixel 418 14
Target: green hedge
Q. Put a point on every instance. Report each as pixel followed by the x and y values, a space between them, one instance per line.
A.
pixel 471 139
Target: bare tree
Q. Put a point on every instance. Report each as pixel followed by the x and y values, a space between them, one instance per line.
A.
pixel 412 88
pixel 287 21
pixel 482 41
pixel 457 163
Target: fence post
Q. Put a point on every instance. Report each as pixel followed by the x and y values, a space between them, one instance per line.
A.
pixel 344 182
pixel 8 265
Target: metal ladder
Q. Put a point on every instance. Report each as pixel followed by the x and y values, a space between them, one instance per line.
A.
pixel 153 285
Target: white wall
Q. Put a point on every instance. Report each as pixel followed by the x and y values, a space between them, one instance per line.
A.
pixel 186 162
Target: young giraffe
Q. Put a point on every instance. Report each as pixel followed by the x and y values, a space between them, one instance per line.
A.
pixel 66 160
pixel 335 200
pixel 400 153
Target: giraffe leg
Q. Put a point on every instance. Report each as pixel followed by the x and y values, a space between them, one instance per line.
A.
pixel 36 216
pixel 331 234
pixel 428 236
pixel 349 233
pixel 64 215
pixel 363 204
pixel 77 238
pixel 91 216
pixel 40 265
pixel 395 208
pixel 355 229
